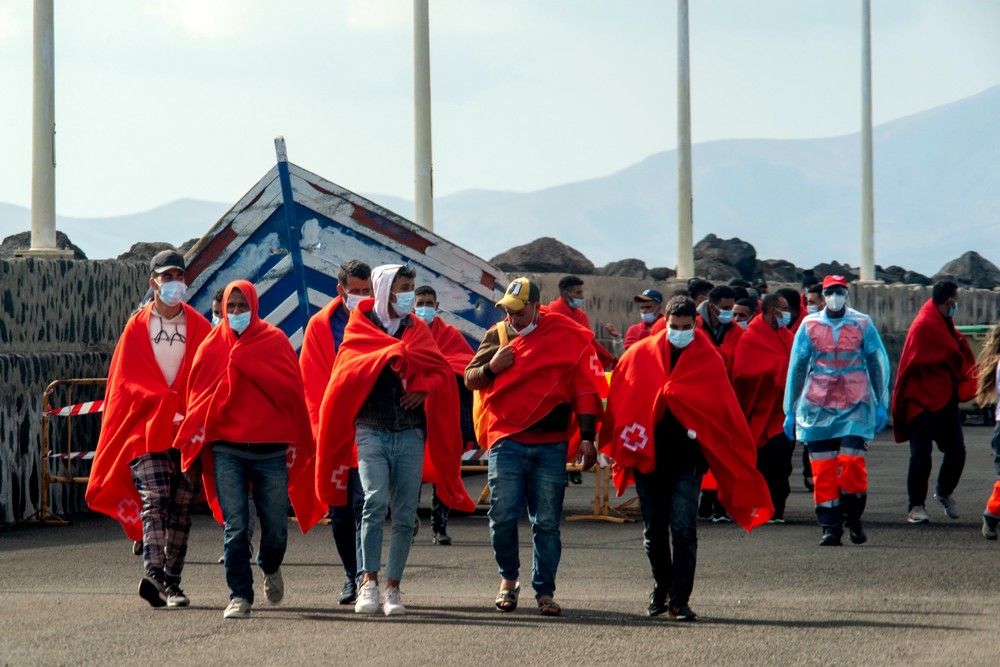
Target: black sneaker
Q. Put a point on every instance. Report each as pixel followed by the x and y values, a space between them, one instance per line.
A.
pixel 831 538
pixel 176 597
pixel 721 517
pixel 657 603
pixel 681 612
pixel 857 531
pixel 441 537
pixel 706 507
pixel 151 590
pixel 137 548
pixel 575 477
pixel 808 483
pixel 349 593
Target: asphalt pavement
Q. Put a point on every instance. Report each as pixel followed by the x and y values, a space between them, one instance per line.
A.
pixel 912 595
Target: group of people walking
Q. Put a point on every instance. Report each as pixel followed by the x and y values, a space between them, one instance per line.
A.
pixel 710 391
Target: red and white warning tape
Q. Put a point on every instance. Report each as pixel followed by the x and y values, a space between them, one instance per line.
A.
pixel 78 409
pixel 91 407
pixel 72 456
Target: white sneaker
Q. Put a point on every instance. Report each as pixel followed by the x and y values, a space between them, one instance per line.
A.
pixel 368 599
pixel 238 608
pixel 274 587
pixel 392 602
pixel 950 506
pixel 918 515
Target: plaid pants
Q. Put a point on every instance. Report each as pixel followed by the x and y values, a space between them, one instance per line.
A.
pixel 167 495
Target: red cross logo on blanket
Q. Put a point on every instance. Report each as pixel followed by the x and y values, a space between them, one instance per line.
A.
pixel 292 453
pixel 339 477
pixel 634 437
pixel 128 511
pixel 595 365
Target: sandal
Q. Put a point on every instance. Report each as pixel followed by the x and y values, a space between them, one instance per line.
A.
pixel 548 607
pixel 507 599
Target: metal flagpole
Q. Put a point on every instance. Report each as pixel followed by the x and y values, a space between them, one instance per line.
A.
pixel 423 169
pixel 867 186
pixel 685 224
pixel 43 129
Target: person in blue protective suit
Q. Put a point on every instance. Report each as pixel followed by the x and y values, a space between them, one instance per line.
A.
pixel 836 400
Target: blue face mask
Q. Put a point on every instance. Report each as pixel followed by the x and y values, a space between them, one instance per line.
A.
pixel 576 303
pixel 172 293
pixel 404 303
pixel 953 310
pixel 353 300
pixel 680 339
pixel 648 318
pixel 239 323
pixel 725 316
pixel 785 319
pixel 812 309
pixel 426 313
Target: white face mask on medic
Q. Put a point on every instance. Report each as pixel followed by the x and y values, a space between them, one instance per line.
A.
pixel 835 301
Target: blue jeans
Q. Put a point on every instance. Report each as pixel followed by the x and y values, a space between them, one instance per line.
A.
pixel 532 476
pixel 390 464
pixel 234 475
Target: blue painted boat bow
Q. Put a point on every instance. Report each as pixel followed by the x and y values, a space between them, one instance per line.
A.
pixel 292 230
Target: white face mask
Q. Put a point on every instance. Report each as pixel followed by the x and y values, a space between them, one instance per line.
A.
pixel 528 328
pixel 353 300
pixel 835 302
pixel 812 308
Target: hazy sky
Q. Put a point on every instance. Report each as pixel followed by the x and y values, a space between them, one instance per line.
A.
pixel 182 98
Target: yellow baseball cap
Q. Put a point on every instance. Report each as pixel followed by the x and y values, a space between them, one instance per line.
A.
pixel 520 292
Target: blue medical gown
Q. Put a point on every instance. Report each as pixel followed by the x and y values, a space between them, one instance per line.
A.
pixel 838 377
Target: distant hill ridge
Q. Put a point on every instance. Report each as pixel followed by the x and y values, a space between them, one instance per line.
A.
pixel 937 194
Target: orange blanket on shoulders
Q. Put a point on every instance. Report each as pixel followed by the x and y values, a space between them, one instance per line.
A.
pixel 247 389
pixel 760 367
pixel 453 345
pixel 365 352
pixel 139 411
pixel 580 316
pixel 556 364
pixel 316 359
pixel 698 394
pixel 936 365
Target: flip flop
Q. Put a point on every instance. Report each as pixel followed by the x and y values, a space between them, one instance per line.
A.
pixel 507 599
pixel 548 607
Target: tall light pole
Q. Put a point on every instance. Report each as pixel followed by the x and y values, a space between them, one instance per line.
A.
pixel 423 169
pixel 685 224
pixel 43 129
pixel 867 185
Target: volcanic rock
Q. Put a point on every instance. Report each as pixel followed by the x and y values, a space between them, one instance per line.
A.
pixel 544 255
pixel 971 270
pixel 626 268
pixel 143 251
pixel 734 252
pixel 22 241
